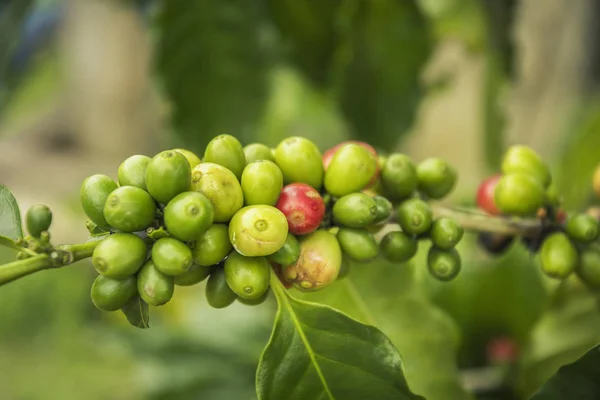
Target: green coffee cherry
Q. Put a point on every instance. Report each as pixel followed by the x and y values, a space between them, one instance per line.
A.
pixel 350 170
pixel 261 183
pixel 192 158
pixel 443 265
pixel 398 247
pixel 188 215
pixel 518 194
pixel 248 277
pixel 258 151
pixel 221 187
pixel 154 287
pixel 132 171
pixel 384 209
pixel 38 219
pixel 399 176
pixel 218 293
pixel 583 228
pixel 227 151
pixel 358 244
pixel 355 210
pixel 171 256
pixel 129 209
pixel 193 276
pixel 212 246
pixel 119 256
pixel 436 178
pixel 111 294
pixel 167 175
pixel 93 194
pixel 523 160
pixel 589 268
pixel 288 253
pixel 254 302
pixel 256 231
pixel 415 216
pixel 445 233
pixel 558 255
pixel 300 161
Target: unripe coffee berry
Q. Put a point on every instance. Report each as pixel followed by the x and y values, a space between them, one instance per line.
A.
pixel 558 256
pixel 399 176
pixel 358 244
pixel 38 219
pixel 221 187
pixel 227 151
pixel 218 293
pixel 155 287
pixel 355 210
pixel 582 228
pixel 415 216
pixel 518 194
pixel 300 161
pixel 248 277
pixel 445 233
pixel 436 178
pixel 524 160
pixel 129 209
pixel 398 246
pixel 443 265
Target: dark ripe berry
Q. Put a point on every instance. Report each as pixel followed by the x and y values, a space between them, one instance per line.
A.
pixel 355 210
pixel 221 187
pixel 248 277
pixel 129 209
pixel 218 293
pixel 93 194
pixel 258 151
pixel 589 268
pixel 227 151
pixel 167 175
pixel 445 233
pixel 119 256
pixel 288 254
pixel 328 156
pixel 171 256
pixel 398 246
pixel 154 287
pixel 257 231
pixel 212 246
pixel 192 158
pixel 415 216
pixel 38 219
pixel 399 176
pixel 582 228
pixel 502 350
pixel 351 169
pixel 596 181
pixel 523 160
pixel 436 178
pixel 302 206
pixel 193 276
pixel 300 161
pixel 132 171
pixel 384 209
pixel 188 215
pixel 518 194
pixel 443 265
pixel 558 255
pixel 111 294
pixel 485 195
pixel 261 183
pixel 358 244
pixel 494 243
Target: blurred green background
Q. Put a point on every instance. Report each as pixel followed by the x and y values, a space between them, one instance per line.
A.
pixel 86 83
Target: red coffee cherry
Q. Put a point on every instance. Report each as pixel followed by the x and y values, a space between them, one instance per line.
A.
pixel 303 207
pixel 485 194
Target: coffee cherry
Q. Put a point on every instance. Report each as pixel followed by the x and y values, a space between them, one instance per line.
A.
pixel 415 216
pixel 352 168
pixel 302 206
pixel 167 175
pixel 261 183
pixel 256 231
pixel 111 294
pixel 358 244
pixel 502 350
pixel 132 171
pixel 188 215
pixel 518 194
pixel 192 158
pixel 154 287
pixel 558 256
pixel 300 161
pixel 443 265
pixel 218 293
pixel 399 176
pixel 288 254
pixel 212 246
pixel 248 277
pixel 398 246
pixel 494 243
pixel 93 194
pixel 589 268
pixel 436 178
pixel 582 228
pixel 384 209
pixel 258 151
pixel 193 276
pixel 119 256
pixel 485 194
pixel 221 187
pixel 523 160
pixel 355 210
pixel 254 302
pixel 38 219
pixel 227 151
pixel 328 155
pixel 171 256
pixel 445 233
pixel 129 209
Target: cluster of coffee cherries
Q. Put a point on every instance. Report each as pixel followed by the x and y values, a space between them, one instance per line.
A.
pixel 239 212
pixel 566 243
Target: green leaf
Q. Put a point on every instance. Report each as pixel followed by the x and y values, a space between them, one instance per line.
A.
pixel 576 381
pixel 137 313
pixel 317 352
pixel 10 215
pixel 8 242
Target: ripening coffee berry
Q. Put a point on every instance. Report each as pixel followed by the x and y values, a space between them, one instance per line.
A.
pixel 167 175
pixel 384 209
pixel 415 216
pixel 355 210
pixel 254 302
pixel 485 195
pixel 192 158
pixel 258 151
pixel 188 215
pixel 582 228
pixel 111 294
pixel 256 231
pixel 248 277
pixel 524 160
pixel 443 265
pixel 227 151
pixel 93 194
pixel 558 255
pixel 589 268
pixel 212 246
pixel 398 246
pixel 193 276
pixel 302 206
pixel 518 194
pixel 352 168
pixel 171 256
pixel 132 171
pixel 436 178
pixel 38 219
pixel 221 187
pixel 120 255
pixel 218 293
pixel 288 253
pixel 154 287
pixel 261 183
pixel 300 161
pixel 129 209
pixel 399 176
pixel 445 233
pixel 358 244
